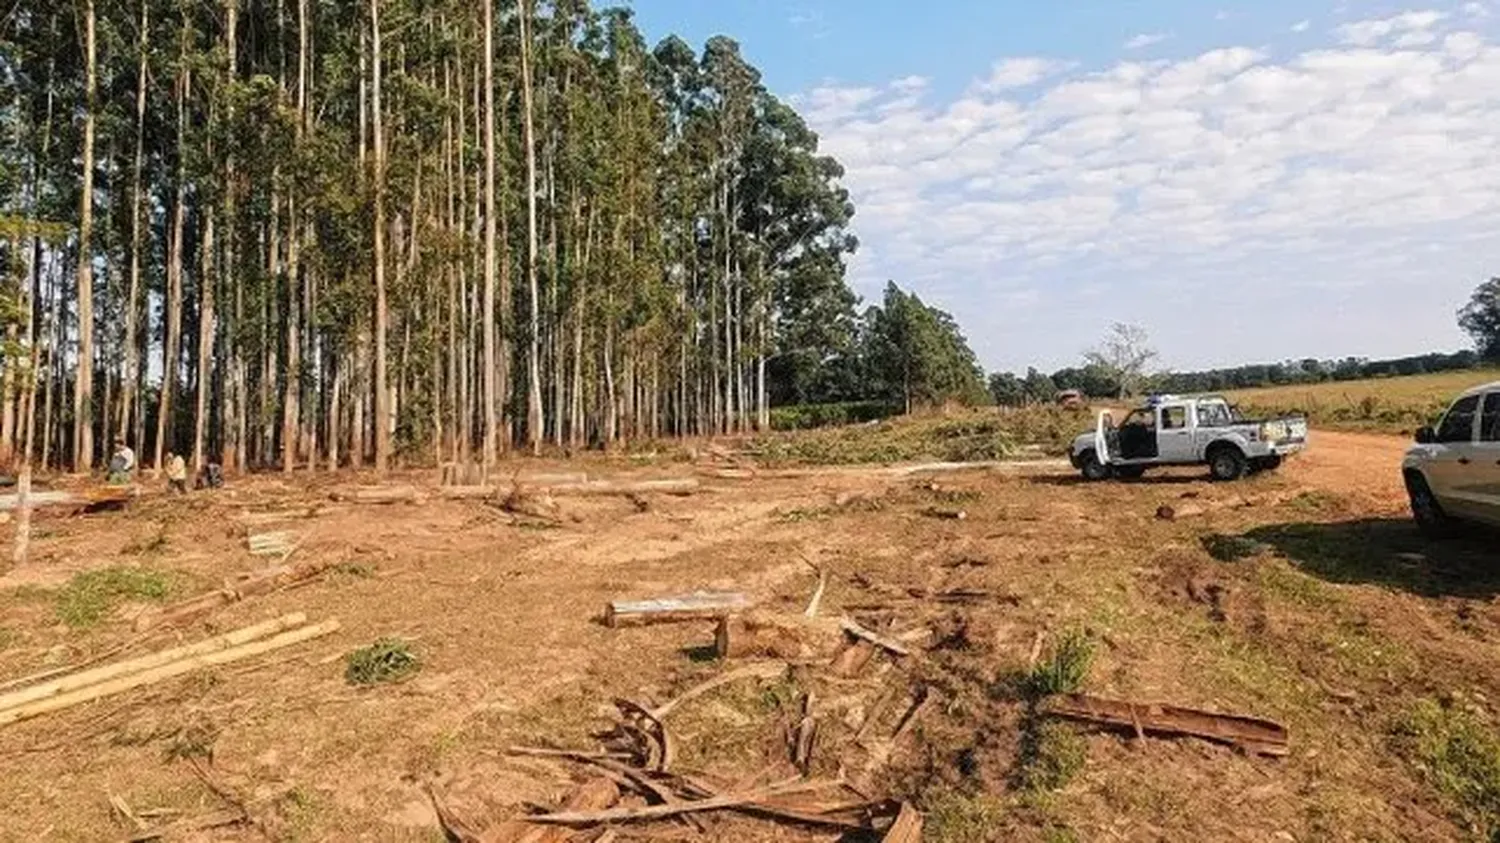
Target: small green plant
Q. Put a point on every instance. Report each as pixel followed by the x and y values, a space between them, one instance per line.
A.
pixel 1458 755
pixel 1051 754
pixel 355 570
pixel 956 817
pixel 1230 548
pixel 1064 670
pixel 90 595
pixel 387 660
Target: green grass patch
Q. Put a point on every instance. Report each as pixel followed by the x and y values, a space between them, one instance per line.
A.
pixel 1064 668
pixel 1230 548
pixel 1458 755
pixel 969 436
pixel 387 660
pixel 956 817
pixel 89 596
pixel 1052 753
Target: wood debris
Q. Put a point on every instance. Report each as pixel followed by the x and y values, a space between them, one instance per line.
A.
pixel 907 828
pixel 880 641
pixel 1251 734
pixel 280 543
pixel 264 582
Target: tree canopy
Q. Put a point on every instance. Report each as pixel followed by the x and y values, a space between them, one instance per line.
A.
pixel 1481 319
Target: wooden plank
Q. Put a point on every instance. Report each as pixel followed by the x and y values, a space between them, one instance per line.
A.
pixel 1264 737
pixel 166 671
pixel 700 605
pixel 907 828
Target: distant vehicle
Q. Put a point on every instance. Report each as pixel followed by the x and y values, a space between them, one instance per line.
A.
pixel 1069 398
pixel 1193 430
pixel 1453 472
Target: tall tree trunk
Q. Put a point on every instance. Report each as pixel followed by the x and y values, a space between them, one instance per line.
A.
pixel 133 297
pixel 491 398
pixel 382 387
pixel 533 363
pixel 170 348
pixel 205 338
pixel 83 384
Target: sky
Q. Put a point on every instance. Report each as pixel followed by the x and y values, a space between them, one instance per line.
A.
pixel 1248 182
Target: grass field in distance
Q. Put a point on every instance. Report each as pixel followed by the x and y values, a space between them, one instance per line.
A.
pixel 1389 405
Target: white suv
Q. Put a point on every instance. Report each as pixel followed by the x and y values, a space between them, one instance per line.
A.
pixel 1453 472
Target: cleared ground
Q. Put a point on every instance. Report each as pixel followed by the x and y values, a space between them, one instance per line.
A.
pixel 1379 651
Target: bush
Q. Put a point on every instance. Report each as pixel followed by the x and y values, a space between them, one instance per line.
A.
pixel 810 416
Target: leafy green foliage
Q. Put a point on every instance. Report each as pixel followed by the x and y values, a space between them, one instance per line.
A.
pixel 387 660
pixel 918 355
pixel 809 416
pixel 1458 755
pixel 1481 319
pixel 89 596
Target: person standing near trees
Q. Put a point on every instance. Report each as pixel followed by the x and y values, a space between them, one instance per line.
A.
pixel 176 473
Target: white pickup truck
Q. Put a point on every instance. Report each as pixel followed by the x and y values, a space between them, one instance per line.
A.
pixel 1453 472
pixel 1193 430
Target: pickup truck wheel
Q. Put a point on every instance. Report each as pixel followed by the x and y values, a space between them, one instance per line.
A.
pixel 1428 513
pixel 1093 470
pixel 1226 464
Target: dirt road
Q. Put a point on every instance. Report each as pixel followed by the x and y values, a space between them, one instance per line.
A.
pixel 1333 617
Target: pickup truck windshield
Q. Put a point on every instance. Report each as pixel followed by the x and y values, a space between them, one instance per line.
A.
pixel 1214 414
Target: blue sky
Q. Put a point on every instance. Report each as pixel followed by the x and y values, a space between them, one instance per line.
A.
pixel 1246 181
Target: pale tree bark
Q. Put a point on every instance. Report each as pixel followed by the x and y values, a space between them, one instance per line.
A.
pixel 232 423
pixel 491 398
pixel 533 363
pixel 132 303
pixel 382 387
pixel 170 348
pixel 205 338
pixel 83 384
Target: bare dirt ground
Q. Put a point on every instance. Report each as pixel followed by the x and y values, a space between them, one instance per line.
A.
pixel 1335 619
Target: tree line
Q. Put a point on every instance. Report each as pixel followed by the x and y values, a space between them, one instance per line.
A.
pixel 322 233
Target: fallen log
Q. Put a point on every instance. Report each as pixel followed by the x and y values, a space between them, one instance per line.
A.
pixel 1254 735
pixel 683 486
pixel 278 543
pixel 264 582
pixel 165 671
pixel 907 828
pixel 85 678
pixel 378 494
pixel 698 606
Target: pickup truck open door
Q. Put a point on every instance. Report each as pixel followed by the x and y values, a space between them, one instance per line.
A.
pixel 1102 428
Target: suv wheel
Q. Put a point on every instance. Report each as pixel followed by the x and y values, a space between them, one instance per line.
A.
pixel 1093 470
pixel 1425 509
pixel 1226 464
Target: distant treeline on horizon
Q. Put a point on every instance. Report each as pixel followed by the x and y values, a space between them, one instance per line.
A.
pixel 1037 387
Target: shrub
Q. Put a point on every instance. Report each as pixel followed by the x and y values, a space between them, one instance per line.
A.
pixel 387 660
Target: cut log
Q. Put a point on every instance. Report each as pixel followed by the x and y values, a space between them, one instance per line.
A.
pixel 264 582
pixel 166 671
pixel 83 679
pixel 907 828
pixel 101 496
pixel 591 796
pixel 378 494
pixel 270 544
pixel 683 486
pixel 1263 737
pixel 698 606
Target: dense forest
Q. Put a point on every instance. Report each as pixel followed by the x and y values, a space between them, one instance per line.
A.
pixel 314 233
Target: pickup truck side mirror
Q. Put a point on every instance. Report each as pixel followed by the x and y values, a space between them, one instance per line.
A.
pixel 1426 436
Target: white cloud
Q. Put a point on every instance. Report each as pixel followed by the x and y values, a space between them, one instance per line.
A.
pixel 1157 191
pixel 1302 26
pixel 1145 39
pixel 1019 73
pixel 1476 10
pixel 1407 25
